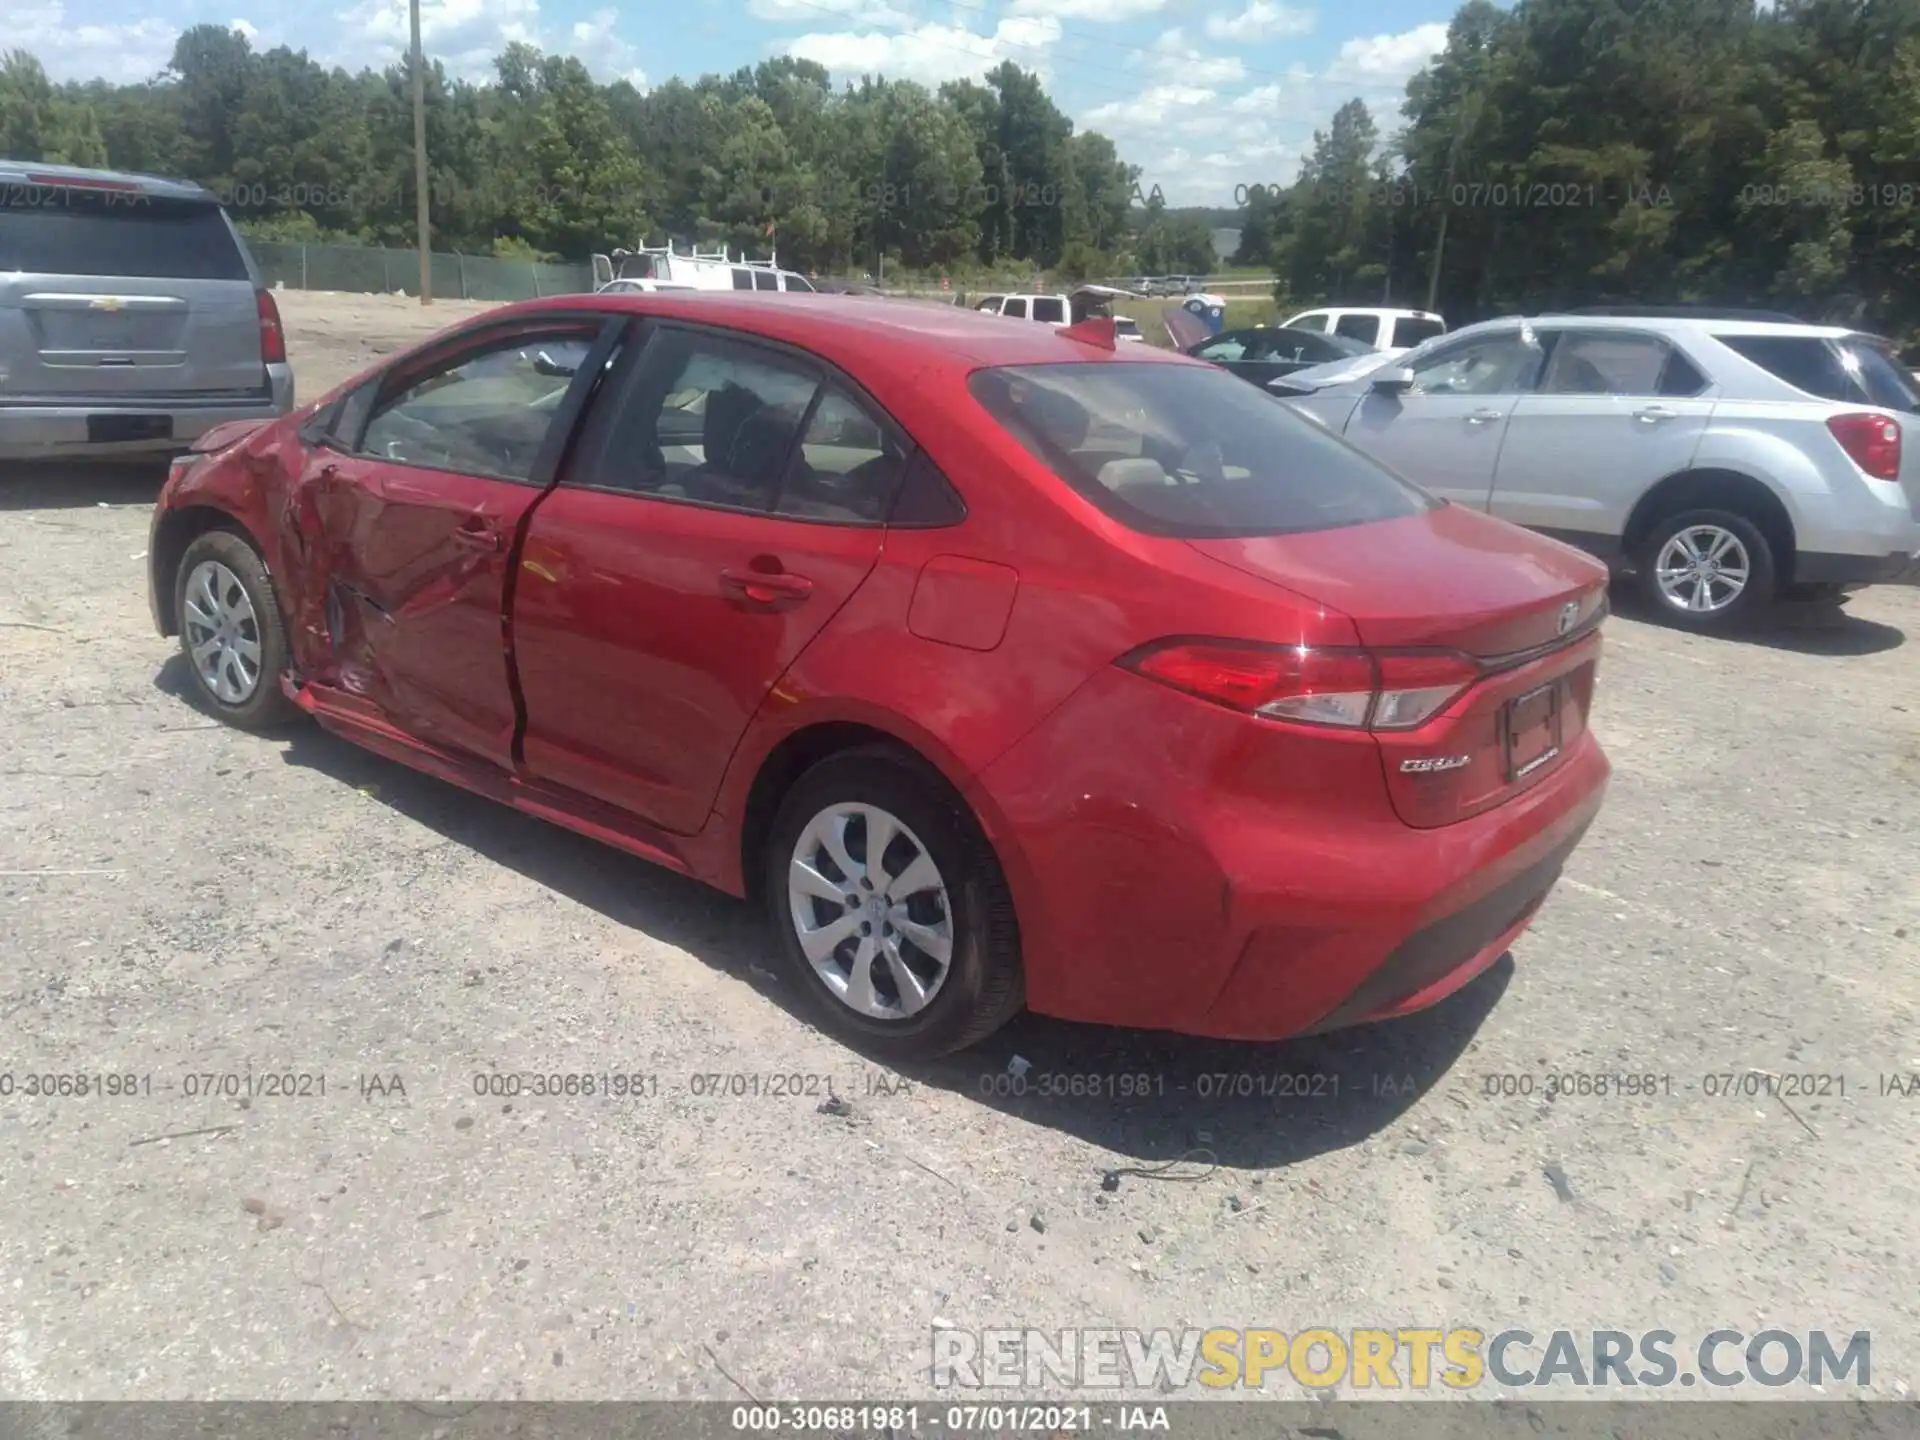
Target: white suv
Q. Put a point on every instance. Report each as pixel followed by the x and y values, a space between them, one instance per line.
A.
pixel 1391 332
pixel 1726 461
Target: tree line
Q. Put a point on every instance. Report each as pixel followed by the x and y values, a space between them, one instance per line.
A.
pixel 543 160
pixel 1557 152
pixel 1567 152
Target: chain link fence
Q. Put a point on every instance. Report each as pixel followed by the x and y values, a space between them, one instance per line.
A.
pixel 365 270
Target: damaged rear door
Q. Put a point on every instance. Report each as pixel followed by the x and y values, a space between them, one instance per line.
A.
pixel 409 516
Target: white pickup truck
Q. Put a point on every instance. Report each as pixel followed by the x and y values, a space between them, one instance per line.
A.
pixel 1063 310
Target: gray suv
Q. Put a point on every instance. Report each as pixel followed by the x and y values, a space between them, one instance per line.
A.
pixel 1725 461
pixel 132 318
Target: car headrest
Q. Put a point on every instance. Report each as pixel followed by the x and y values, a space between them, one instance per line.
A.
pixel 728 409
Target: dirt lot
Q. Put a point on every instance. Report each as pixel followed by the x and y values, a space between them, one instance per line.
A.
pixel 179 900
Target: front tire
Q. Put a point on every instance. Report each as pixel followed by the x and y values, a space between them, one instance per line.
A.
pixel 231 633
pixel 892 912
pixel 1707 570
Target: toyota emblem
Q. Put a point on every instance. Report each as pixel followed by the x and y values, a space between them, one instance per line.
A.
pixel 1568 614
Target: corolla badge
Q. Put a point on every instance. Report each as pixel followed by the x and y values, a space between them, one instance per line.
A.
pixel 1429 764
pixel 1568 614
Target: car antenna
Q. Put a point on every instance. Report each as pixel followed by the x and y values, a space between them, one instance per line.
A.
pixel 1098 330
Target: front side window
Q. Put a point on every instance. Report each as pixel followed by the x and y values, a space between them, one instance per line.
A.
pixel 1317 322
pixel 1189 451
pixel 484 412
pixel 1016 307
pixel 1496 365
pixel 1227 347
pixel 799 282
pixel 1364 328
pixel 1050 308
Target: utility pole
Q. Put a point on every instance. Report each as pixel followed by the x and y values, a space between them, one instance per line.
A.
pixel 421 216
pixel 1469 117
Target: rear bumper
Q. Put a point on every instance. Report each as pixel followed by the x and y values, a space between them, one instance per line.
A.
pixel 62 431
pixel 1151 894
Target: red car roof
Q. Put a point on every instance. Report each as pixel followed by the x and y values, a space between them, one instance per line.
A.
pixel 861 332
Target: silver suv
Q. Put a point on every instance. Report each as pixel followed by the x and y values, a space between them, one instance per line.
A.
pixel 132 318
pixel 1726 462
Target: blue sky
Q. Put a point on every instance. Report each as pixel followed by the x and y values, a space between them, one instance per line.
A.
pixel 1204 95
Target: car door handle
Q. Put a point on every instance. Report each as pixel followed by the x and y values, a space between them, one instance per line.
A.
pixel 1483 417
pixel 477 534
pixel 1653 414
pixel 764 588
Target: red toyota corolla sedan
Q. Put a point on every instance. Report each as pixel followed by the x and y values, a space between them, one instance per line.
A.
pixel 1004 666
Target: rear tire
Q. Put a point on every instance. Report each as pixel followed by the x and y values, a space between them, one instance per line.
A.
pixel 1709 571
pixel 231 633
pixel 910 954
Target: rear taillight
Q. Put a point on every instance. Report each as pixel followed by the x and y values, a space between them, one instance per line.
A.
pixel 1871 441
pixel 1314 685
pixel 273 340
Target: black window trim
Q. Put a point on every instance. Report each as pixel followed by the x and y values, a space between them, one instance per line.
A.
pixel 1550 337
pixel 607 330
pixel 826 374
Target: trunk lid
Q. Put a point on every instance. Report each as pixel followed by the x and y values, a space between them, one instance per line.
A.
pixel 1449 577
pixel 1524 608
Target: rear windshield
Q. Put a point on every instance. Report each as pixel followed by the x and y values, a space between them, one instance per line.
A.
pixel 1416 332
pixel 1184 451
pixel 49 230
pixel 1847 370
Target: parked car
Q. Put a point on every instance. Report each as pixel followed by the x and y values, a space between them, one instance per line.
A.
pixel 1053 309
pixel 132 318
pixel 1267 352
pixel 1391 332
pixel 1002 666
pixel 1725 462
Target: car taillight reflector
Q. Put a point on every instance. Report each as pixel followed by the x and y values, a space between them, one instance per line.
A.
pixel 273 340
pixel 1872 441
pixel 1314 685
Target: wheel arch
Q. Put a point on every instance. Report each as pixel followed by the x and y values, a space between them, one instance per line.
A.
pixel 764 778
pixel 173 532
pixel 1714 488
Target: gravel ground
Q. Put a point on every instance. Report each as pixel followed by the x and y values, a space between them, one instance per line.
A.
pixel 178 899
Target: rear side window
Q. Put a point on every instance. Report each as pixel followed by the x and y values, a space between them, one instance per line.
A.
pixel 765 280
pixel 1191 452
pixel 1410 332
pixel 1017 307
pixel 1848 371
pixel 1364 328
pixel 1049 308
pixel 54 230
pixel 742 279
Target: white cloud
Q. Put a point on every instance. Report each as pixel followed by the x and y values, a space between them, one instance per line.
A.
pixel 1178 61
pixel 1261 18
pixel 858 12
pixel 246 28
pixel 466 35
pixel 1088 9
pixel 1389 59
pixel 1152 107
pixel 930 54
pixel 125 52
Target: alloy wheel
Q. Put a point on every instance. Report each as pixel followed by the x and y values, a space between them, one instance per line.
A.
pixel 1702 569
pixel 871 911
pixel 223 632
